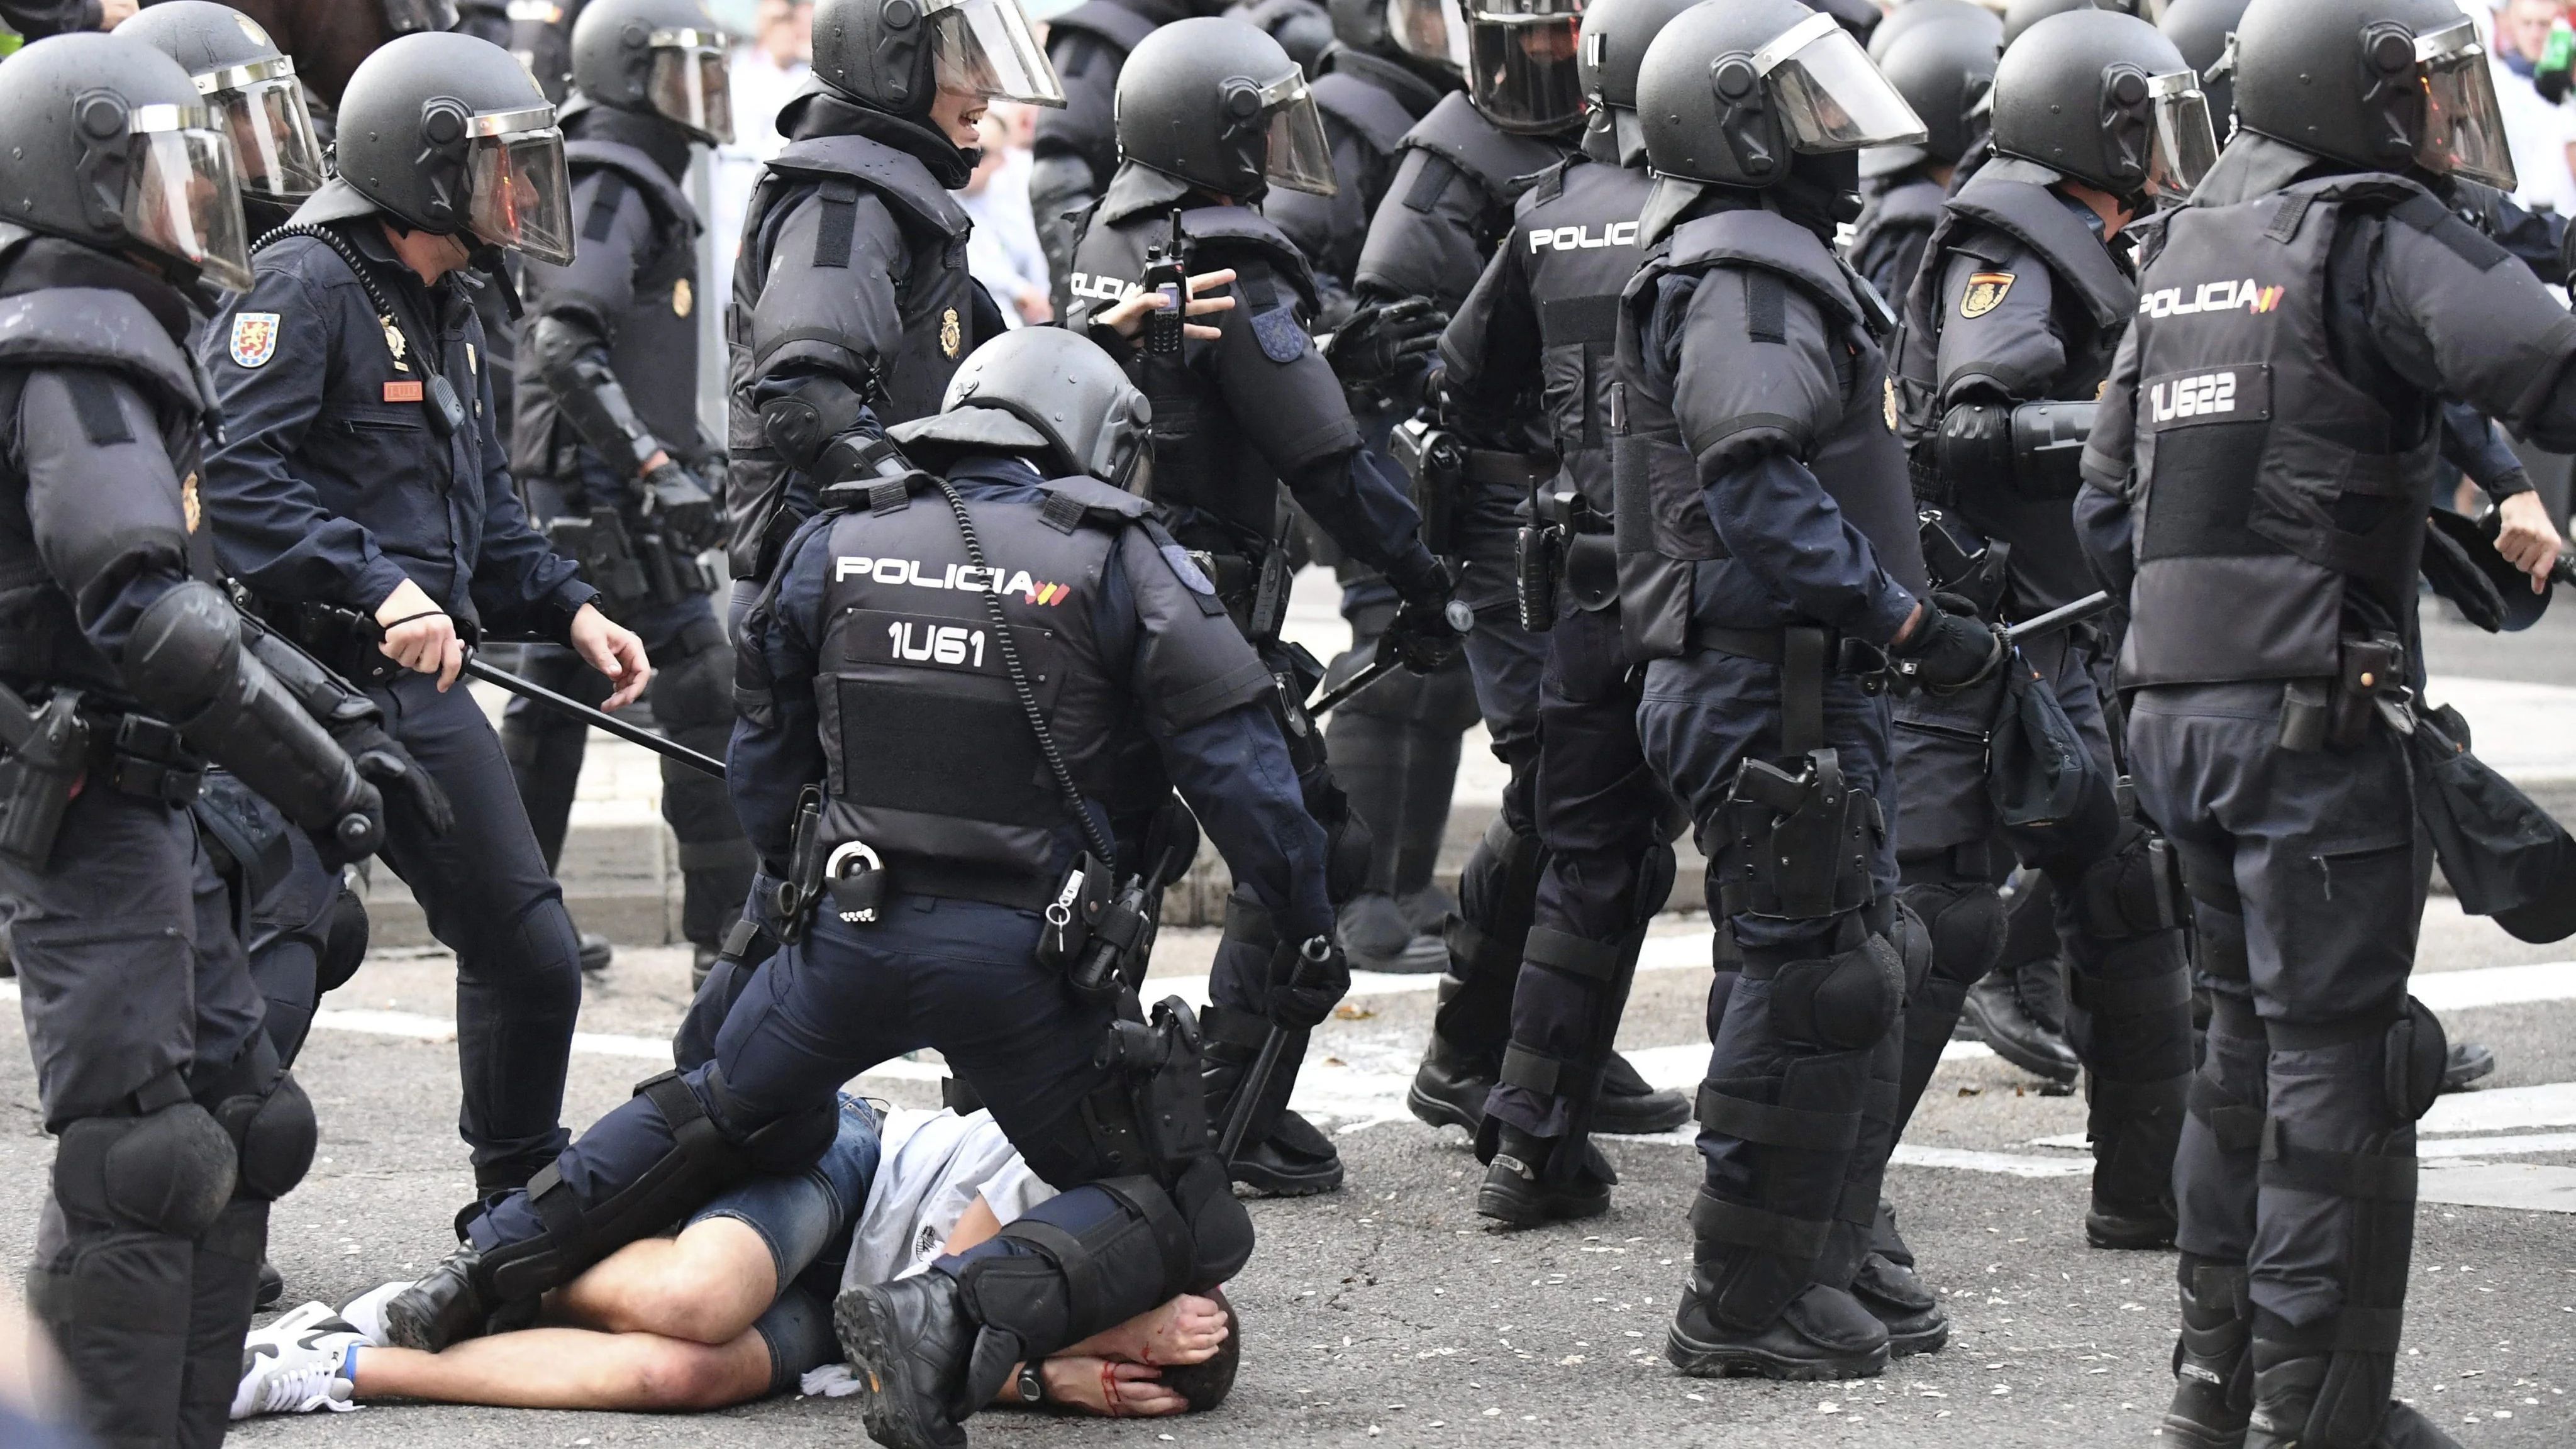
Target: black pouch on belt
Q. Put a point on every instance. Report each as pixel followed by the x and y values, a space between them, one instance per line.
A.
pixel 48 751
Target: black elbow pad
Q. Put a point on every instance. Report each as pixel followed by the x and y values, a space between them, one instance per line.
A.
pixel 2048 447
pixel 573 359
pixel 325 695
pixel 802 423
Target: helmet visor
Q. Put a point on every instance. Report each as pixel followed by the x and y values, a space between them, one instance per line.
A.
pixel 2186 145
pixel 1432 30
pixel 1521 63
pixel 1830 97
pixel 1298 157
pixel 690 84
pixel 262 108
pixel 988 48
pixel 2463 125
pixel 522 197
pixel 181 199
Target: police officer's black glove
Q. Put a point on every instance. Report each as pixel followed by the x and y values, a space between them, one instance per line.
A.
pixel 1307 981
pixel 1950 649
pixel 679 505
pixel 1431 626
pixel 1380 338
pixel 384 763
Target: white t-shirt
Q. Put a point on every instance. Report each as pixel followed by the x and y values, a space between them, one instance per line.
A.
pixel 932 1168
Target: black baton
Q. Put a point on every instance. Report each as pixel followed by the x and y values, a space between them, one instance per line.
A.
pixel 632 734
pixel 1256 1081
pixel 2063 616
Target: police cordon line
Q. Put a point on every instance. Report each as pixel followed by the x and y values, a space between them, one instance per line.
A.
pixel 1976 475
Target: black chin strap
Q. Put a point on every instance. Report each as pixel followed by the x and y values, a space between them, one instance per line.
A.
pixel 495 267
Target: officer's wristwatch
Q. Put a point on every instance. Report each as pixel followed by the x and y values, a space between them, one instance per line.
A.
pixel 1032 1386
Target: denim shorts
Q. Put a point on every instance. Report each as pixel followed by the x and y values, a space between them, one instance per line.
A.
pixel 806 1220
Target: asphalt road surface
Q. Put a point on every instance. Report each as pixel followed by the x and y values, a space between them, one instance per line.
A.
pixel 1389 1313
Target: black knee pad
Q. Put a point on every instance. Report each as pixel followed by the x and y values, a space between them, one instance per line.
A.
pixel 781 1146
pixel 1220 1228
pixel 2416 1055
pixel 1913 942
pixel 1656 872
pixel 2134 891
pixel 1845 1001
pixel 344 942
pixel 275 1134
pixel 169 1171
pixel 1964 923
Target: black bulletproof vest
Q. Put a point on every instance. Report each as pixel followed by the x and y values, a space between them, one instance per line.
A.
pixel 1662 521
pixel 931 756
pixel 2005 210
pixel 88 327
pixel 934 294
pixel 1461 149
pixel 654 351
pixel 1577 235
pixel 2268 486
pixel 1204 463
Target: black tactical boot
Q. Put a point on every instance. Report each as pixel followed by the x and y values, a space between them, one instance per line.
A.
pixel 2285 1394
pixel 449 1305
pixel 272 1286
pixel 1520 1188
pixel 910 1343
pixel 1291 1158
pixel 2135 1127
pixel 596 953
pixel 1378 935
pixel 1896 1298
pixel 1631 1108
pixel 2008 1009
pixel 1824 1333
pixel 2213 1382
pixel 1450 1087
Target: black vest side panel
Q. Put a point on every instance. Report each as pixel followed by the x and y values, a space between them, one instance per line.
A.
pixel 2268 486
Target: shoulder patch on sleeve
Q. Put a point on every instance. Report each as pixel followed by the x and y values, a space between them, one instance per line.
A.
pixel 1274 316
pixel 2430 217
pixel 1184 567
pixel 1986 291
pixel 254 339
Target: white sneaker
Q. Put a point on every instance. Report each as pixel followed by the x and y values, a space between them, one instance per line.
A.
pixel 297 1364
pixel 366 1312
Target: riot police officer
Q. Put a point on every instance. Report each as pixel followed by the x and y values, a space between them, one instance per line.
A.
pixel 251 87
pixel 2270 651
pixel 361 495
pixel 1539 328
pixel 1766 557
pixel 2010 328
pixel 966 799
pixel 1944 70
pixel 121 678
pixel 1211 115
pixel 851 302
pixel 607 430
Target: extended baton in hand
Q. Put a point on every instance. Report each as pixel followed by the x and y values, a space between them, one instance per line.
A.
pixel 2061 617
pixel 633 734
pixel 1256 1081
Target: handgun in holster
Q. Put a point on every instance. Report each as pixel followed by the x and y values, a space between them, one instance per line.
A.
pixel 598 545
pixel 794 902
pixel 1435 460
pixel 48 752
pixel 2334 712
pixel 1963 564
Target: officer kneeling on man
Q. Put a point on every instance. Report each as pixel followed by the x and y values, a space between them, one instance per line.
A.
pixel 968 793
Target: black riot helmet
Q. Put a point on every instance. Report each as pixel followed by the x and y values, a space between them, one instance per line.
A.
pixel 1218 104
pixel 2384 85
pixel 107 142
pixel 447 134
pixel 249 88
pixel 1521 68
pixel 1614 40
pixel 1901 22
pixel 2106 100
pixel 1732 93
pixel 2205 32
pixel 655 57
pixel 1046 393
pixel 897 55
pixel 2021 15
pixel 1946 72
pixel 1303 28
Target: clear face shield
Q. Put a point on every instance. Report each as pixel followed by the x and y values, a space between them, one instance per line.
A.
pixel 690 83
pixel 1431 30
pixel 1298 156
pixel 521 196
pixel 261 106
pixel 988 48
pixel 1521 62
pixel 2186 145
pixel 181 199
pixel 1831 97
pixel 2463 125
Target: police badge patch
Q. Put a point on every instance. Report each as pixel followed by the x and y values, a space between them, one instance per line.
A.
pixel 254 338
pixel 1986 291
pixel 683 301
pixel 950 335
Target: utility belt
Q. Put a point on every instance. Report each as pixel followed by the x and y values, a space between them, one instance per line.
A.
pixel 1567 544
pixel 628 569
pixel 53 748
pixel 2335 712
pixel 1804 654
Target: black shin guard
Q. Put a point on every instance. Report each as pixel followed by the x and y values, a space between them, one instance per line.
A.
pixel 1964 921
pixel 224 1279
pixel 1497 895
pixel 1054 1286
